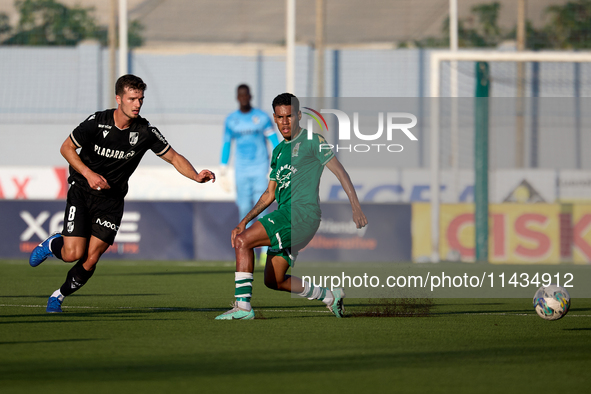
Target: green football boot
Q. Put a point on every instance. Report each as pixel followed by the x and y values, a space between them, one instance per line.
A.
pixel 337 306
pixel 236 314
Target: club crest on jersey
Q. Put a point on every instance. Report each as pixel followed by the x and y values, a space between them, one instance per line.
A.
pixel 70 227
pixel 133 137
pixel 296 150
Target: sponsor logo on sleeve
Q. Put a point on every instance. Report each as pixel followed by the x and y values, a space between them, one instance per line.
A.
pixel 158 135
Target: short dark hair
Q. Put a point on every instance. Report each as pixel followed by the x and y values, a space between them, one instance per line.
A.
pixel 243 86
pixel 287 99
pixel 131 82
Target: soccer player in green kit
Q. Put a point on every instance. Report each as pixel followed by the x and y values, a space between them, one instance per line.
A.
pixel 296 166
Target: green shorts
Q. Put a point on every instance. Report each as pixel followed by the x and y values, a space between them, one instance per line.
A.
pixel 288 235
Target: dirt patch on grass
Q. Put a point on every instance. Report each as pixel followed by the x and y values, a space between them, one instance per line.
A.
pixel 395 307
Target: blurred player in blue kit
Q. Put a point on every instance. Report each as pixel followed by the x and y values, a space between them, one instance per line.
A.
pixel 250 128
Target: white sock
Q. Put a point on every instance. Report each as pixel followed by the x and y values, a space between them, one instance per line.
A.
pixel 306 290
pixel 243 292
pixel 328 298
pixel 317 293
pixel 58 294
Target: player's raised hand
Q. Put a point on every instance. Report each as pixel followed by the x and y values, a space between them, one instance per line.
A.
pixel 205 176
pixel 237 230
pixel 359 219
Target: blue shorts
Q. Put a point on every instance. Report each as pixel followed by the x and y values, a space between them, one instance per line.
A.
pixel 250 186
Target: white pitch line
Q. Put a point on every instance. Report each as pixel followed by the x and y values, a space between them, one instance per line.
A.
pixel 44 306
pixel 163 308
pixel 504 314
pixel 267 310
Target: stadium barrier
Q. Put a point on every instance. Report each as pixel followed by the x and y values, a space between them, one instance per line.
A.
pixel 159 230
pixel 158 183
pixel 536 216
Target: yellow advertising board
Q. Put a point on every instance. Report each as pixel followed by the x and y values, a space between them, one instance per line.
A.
pixel 581 233
pixel 518 233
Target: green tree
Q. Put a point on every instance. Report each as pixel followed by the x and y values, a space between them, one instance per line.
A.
pixel 569 28
pixel 4 24
pixel 469 37
pixel 570 25
pixel 484 33
pixel 134 34
pixel 48 22
pixel 488 15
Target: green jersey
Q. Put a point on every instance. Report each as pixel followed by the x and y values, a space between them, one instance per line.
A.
pixel 296 166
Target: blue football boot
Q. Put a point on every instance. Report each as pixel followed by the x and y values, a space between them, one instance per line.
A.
pixel 41 251
pixel 54 305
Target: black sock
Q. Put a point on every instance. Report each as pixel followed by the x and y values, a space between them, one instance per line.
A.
pixel 77 277
pixel 56 247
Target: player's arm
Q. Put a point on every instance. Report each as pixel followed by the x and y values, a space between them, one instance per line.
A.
pixel 272 138
pixel 266 199
pixel 183 166
pixel 226 146
pixel 270 133
pixel 95 181
pixel 335 166
pixel 225 158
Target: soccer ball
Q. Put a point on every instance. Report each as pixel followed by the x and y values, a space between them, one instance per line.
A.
pixel 551 302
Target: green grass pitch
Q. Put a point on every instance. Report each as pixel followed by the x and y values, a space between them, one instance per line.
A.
pixel 148 327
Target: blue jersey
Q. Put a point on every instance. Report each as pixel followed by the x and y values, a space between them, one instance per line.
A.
pixel 250 131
